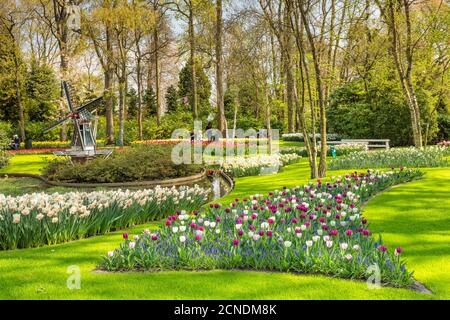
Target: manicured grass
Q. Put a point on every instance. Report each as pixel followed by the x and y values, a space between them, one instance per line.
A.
pixel 408 217
pixel 18 186
pixel 288 144
pixel 416 217
pixel 30 163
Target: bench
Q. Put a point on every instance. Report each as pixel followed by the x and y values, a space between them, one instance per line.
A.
pixel 371 143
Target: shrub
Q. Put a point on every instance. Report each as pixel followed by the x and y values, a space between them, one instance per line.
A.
pixel 409 157
pixel 4 142
pixel 142 163
pixel 299 137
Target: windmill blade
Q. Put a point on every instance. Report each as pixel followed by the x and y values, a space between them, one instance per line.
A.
pixel 57 124
pixel 68 96
pixel 90 105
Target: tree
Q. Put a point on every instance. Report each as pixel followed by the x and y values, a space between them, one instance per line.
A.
pixel 133 104
pixel 187 9
pixel 219 68
pixel 41 91
pixel 396 14
pixel 11 20
pixel 203 86
pixel 172 99
pixel 150 101
pixel 99 30
pixel 319 87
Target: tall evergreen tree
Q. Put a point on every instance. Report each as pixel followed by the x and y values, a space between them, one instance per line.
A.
pixel 42 91
pixel 203 87
pixel 172 99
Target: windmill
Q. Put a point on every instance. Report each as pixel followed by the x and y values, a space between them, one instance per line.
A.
pixel 83 145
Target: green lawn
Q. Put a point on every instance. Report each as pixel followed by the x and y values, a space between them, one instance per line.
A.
pixel 414 216
pixel 29 163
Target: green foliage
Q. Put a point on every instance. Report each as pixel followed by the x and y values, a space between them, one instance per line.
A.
pixel 150 101
pixel 143 163
pixel 203 87
pixel 35 131
pixel 379 113
pixel 8 72
pixel 132 101
pixel 172 99
pixel 443 121
pixel 409 157
pixel 4 141
pixel 42 92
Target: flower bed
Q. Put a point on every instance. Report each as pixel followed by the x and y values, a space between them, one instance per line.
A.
pixel 300 138
pixel 35 151
pixel 54 144
pixel 256 165
pixel 411 157
pixel 341 149
pixel 347 148
pixel 317 228
pixel 33 220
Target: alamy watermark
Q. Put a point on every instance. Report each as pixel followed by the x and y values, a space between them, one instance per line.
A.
pixel 374 281
pixel 219 149
pixel 74 280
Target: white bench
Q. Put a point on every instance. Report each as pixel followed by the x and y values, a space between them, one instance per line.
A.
pixel 371 143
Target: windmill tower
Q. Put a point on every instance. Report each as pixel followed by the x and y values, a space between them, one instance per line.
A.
pixel 83 145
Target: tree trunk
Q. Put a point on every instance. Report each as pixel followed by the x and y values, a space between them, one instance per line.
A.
pixel 139 95
pixel 219 68
pixel 60 14
pixel 19 99
pixel 109 75
pixel 289 73
pixel 157 76
pixel 322 111
pixel 405 77
pixel 122 104
pixel 289 91
pixel 268 116
pixel 310 144
pixel 194 100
